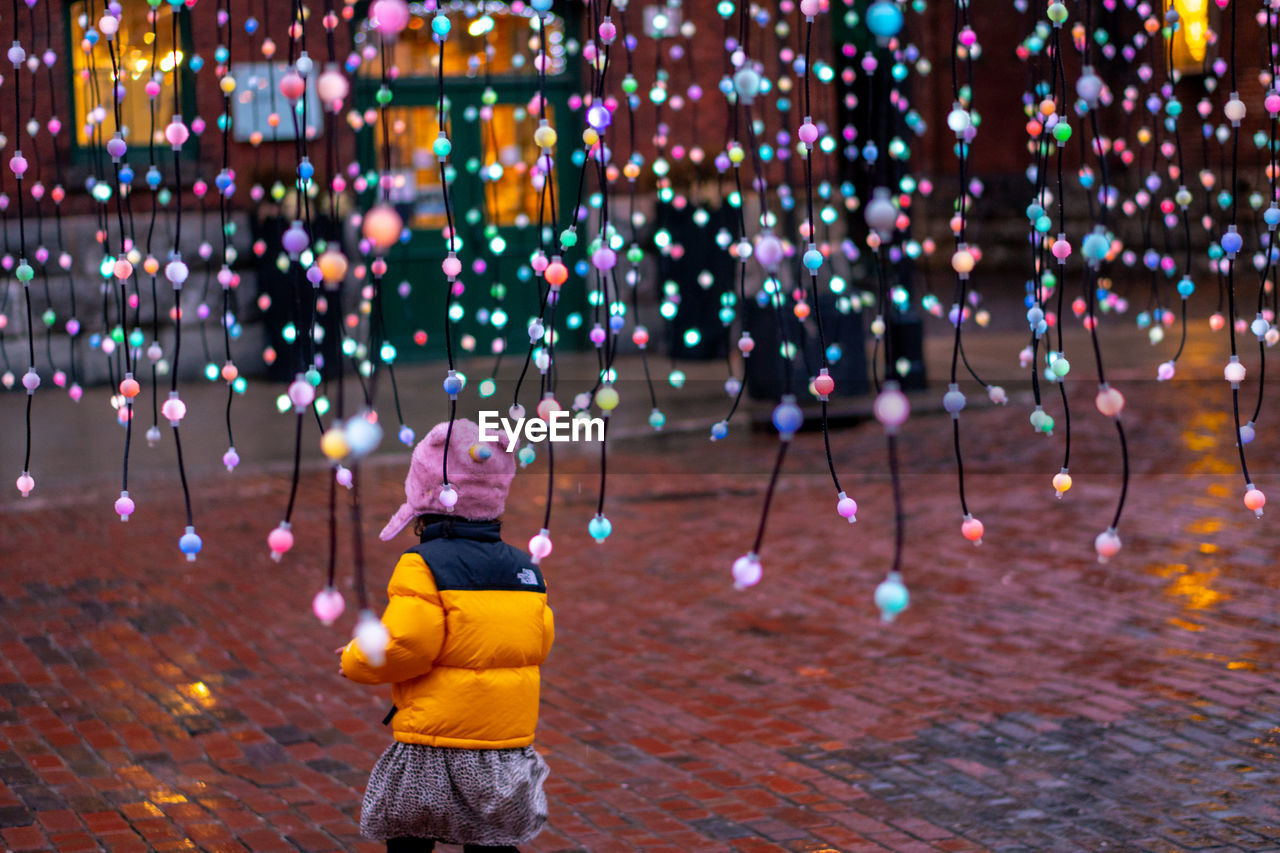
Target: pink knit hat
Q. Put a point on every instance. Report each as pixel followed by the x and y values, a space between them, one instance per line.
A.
pixel 479 471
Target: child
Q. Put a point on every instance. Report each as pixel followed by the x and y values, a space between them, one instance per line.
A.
pixel 469 625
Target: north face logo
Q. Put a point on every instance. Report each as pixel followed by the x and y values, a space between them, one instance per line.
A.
pixel 527 577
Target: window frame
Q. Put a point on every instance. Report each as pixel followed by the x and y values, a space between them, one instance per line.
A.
pixel 87 155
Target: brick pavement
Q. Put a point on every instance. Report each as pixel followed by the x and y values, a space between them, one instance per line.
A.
pixel 1030 699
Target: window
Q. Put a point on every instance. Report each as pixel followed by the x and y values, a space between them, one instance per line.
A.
pixel 1187 47
pixel 257 99
pixel 486 38
pixel 416 190
pixel 145 50
pixel 510 197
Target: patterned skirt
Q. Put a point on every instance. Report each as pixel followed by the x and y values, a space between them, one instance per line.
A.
pixel 456 796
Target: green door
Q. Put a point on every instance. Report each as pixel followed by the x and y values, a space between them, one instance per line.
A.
pixel 491 190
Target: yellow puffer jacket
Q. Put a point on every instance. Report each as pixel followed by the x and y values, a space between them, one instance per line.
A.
pixel 469 626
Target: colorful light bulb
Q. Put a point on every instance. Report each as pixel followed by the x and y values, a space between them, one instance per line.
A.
pixel 372 638
pixel 328 605
pixel 540 545
pixel 891 597
pixel 1255 500
pixel 280 540
pixel 190 544
pixel 847 507
pixel 747 571
pixel 124 506
pixel 599 527
pixel 1061 483
pixel 1107 544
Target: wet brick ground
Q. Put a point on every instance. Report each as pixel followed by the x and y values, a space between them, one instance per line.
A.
pixel 1030 699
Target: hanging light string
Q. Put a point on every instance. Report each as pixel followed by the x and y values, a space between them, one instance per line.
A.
pixel 891 406
pixel 37 195
pixel 545 137
pixel 453 384
pixel 1182 198
pixel 787 417
pixel 302 390
pixel 1096 247
pixel 122 269
pixel 631 171
pixel 176 271
pixel 488 220
pixel 555 273
pixel 54 126
pixel 1144 197
pixel 592 138
pixel 1232 243
pixel 225 186
pixel 1050 130
pixel 378 340
pixel 962 261
pixel 97 119
pixel 1061 367
pixel 150 265
pixel 823 383
pixel 879 212
pixel 604 260
pixel 18 165
pixel 333 88
pixel 1040 420
pixel 732 158
pixel 370 635
pixel 1263 329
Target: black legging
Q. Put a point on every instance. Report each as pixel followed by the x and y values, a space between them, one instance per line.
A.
pixel 426 845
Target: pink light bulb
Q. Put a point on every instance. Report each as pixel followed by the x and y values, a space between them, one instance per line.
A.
pixel 1255 500
pixel 231 459
pixel 1109 401
pixel 292 86
pixel 547 406
pixel 540 546
pixel 176 133
pixel 26 483
pixel 124 506
pixel 280 541
pixel 1107 544
pixel 174 409
pixel 328 605
pixel 847 507
pixel 972 529
pixel 747 571
pixel 389 17
pixel 891 407
pixel 1234 372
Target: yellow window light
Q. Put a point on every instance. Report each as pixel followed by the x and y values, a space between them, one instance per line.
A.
pixel 1191 39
